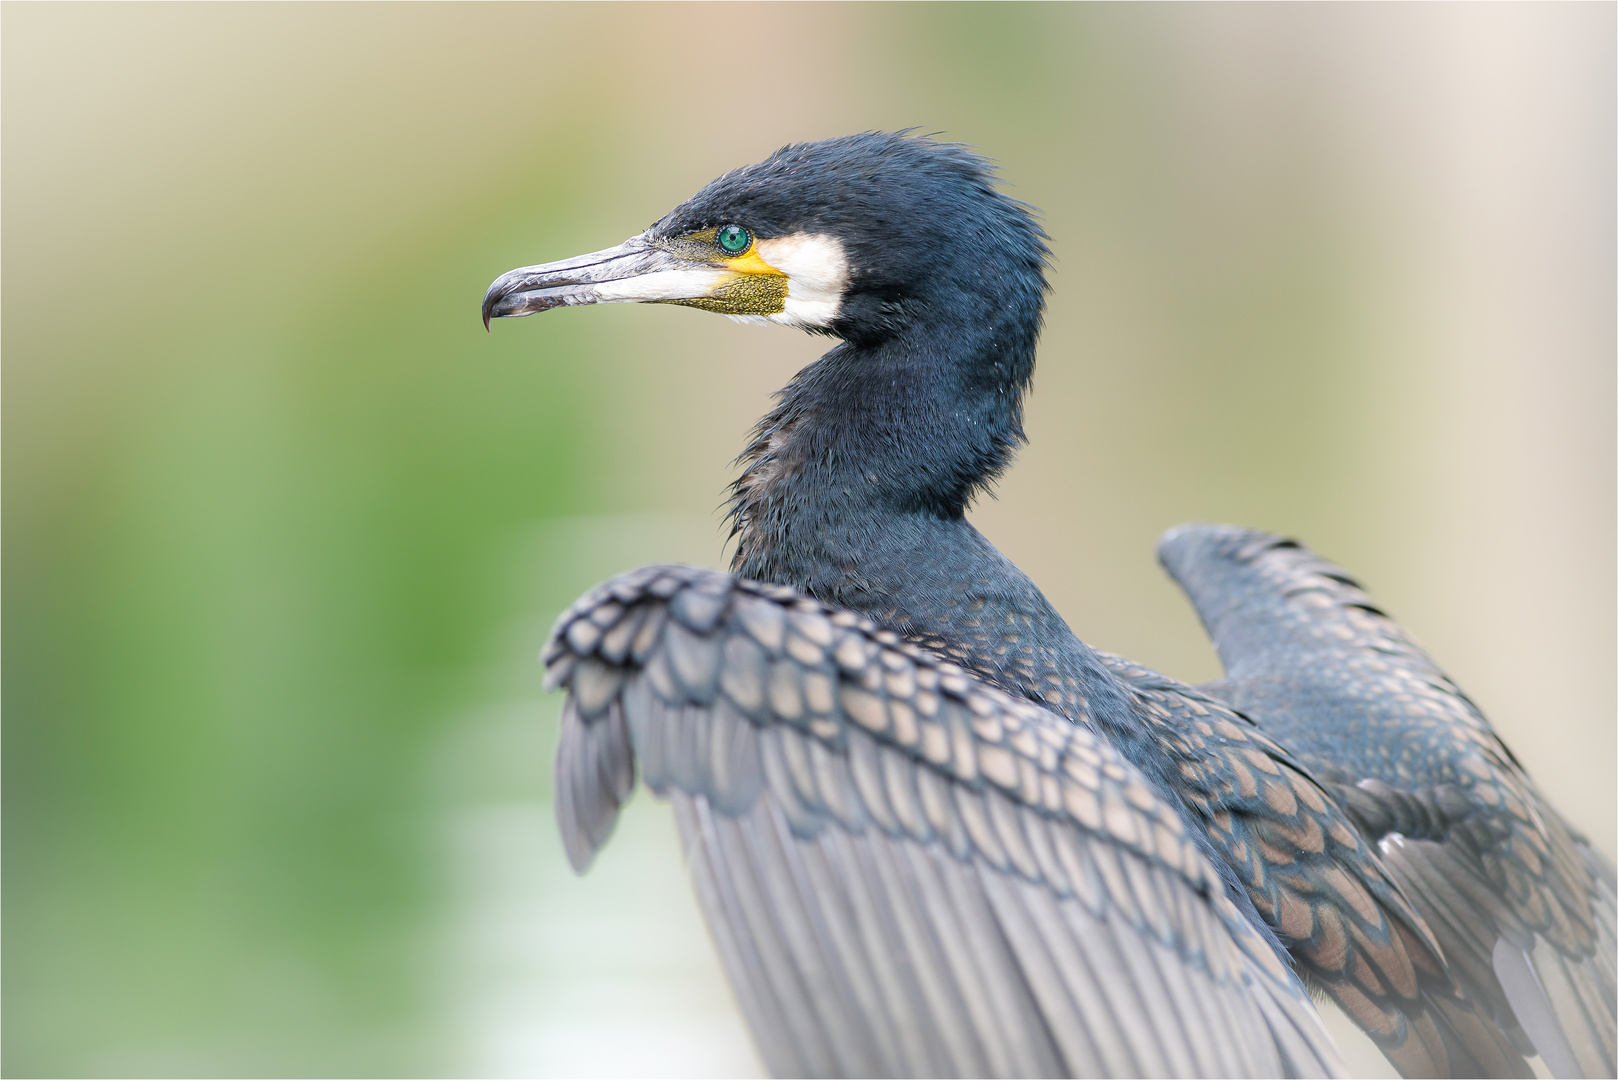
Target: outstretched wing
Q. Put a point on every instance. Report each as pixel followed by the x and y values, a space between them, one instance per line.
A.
pixel 1522 906
pixel 1319 886
pixel 907 872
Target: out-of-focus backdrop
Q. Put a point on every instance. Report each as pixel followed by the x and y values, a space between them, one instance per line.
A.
pixel 284 527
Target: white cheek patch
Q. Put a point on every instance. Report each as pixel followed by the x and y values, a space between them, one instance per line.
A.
pixel 817 277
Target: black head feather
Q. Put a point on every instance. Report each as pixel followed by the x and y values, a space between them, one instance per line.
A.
pixel 928 234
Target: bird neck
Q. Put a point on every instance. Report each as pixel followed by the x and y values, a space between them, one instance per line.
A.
pixel 854 492
pixel 872 442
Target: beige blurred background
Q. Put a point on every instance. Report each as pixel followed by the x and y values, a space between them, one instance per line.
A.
pixel 285 528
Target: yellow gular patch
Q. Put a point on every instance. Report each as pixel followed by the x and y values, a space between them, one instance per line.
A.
pixel 749 262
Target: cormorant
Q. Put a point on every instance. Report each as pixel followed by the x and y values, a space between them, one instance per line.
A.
pixel 932 831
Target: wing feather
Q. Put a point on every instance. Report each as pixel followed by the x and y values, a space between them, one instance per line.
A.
pixel 737 950
pixel 822 968
pixel 1008 898
pixel 907 872
pixel 864 935
pixel 750 908
pixel 939 971
pixel 1518 902
pixel 1104 1049
pixel 847 966
pixel 972 1037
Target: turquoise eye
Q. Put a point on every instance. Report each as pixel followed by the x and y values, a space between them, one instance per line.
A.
pixel 734 239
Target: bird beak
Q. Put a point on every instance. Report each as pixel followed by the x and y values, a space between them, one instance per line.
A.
pixel 634 272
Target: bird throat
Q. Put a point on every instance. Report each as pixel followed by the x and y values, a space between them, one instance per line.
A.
pixel 931 578
pixel 868 452
pixel 865 531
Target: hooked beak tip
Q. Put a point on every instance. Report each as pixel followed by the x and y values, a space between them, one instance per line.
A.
pixel 491 301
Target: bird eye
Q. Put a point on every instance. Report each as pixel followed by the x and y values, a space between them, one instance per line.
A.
pixel 734 239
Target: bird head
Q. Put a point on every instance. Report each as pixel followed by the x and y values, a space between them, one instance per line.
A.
pixel 860 237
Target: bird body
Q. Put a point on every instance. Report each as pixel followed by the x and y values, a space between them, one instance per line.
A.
pixel 935 832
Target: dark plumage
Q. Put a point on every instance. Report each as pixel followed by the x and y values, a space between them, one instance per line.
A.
pixel 933 830
pixel 1503 881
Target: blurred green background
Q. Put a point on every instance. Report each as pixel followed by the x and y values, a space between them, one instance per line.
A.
pixel 284 527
